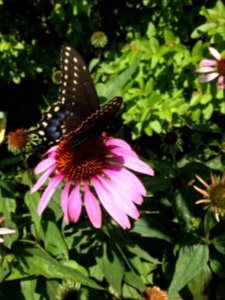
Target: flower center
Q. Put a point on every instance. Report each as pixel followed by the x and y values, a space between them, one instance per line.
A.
pixel 221 66
pixel 217 195
pixel 83 161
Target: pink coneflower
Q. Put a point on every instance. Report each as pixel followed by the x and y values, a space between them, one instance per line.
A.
pixel 214 194
pixel 98 166
pixel 215 68
pixel 4 231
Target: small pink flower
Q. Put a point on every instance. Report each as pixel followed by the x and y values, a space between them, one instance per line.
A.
pixel 215 68
pixel 98 167
pixel 4 231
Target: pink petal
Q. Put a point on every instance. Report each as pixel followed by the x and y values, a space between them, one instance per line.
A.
pixel 208 62
pixel 43 178
pixel 1 240
pixel 205 69
pixel 6 231
pixel 44 165
pixel 209 77
pixel 220 82
pixel 74 204
pixel 128 183
pixel 122 152
pixel 109 204
pixel 51 150
pixel 52 186
pixel 92 207
pixel 117 143
pixel 120 198
pixel 131 162
pixel 215 53
pixel 64 200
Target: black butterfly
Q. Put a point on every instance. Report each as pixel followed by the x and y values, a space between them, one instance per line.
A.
pixel 77 111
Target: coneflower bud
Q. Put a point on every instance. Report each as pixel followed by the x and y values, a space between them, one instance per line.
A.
pixel 99 39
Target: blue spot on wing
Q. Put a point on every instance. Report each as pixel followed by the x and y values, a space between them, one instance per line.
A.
pixel 52 132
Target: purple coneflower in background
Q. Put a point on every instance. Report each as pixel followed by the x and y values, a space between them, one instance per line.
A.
pixel 98 167
pixel 215 68
pixel 4 231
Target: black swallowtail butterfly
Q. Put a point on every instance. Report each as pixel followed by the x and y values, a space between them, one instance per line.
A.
pixel 77 110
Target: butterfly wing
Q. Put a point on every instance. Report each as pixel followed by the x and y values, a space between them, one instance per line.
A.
pixel 77 91
pixel 96 122
pixel 77 99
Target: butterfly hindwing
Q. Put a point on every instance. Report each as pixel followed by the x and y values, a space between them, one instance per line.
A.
pixel 97 121
pixel 52 124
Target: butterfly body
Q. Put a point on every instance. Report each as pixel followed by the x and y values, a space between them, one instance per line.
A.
pixel 76 113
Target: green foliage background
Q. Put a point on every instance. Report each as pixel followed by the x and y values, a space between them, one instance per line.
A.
pixel 172 121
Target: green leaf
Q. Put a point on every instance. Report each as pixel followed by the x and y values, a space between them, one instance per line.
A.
pixel 195 99
pixel 8 208
pixel 169 36
pixel 201 283
pixel 33 260
pixel 205 98
pixel 222 107
pixel 219 243
pixel 5 266
pixel 144 270
pixel 182 206
pixel 191 261
pixel 94 62
pixel 151 31
pixel 54 242
pixel 220 8
pixel 52 286
pixel 136 250
pixel 28 287
pixel 112 88
pixel 96 272
pixel 154 47
pixel 208 111
pixel 218 267
pixel 151 228
pixel 32 201
pixel 202 29
pixel 148 130
pixel 134 280
pixel 197 49
pixel 123 241
pixel 10 161
pixel 196 114
pixel 74 265
pixel 209 222
pixel 156 126
pixel 131 293
pixel 111 267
